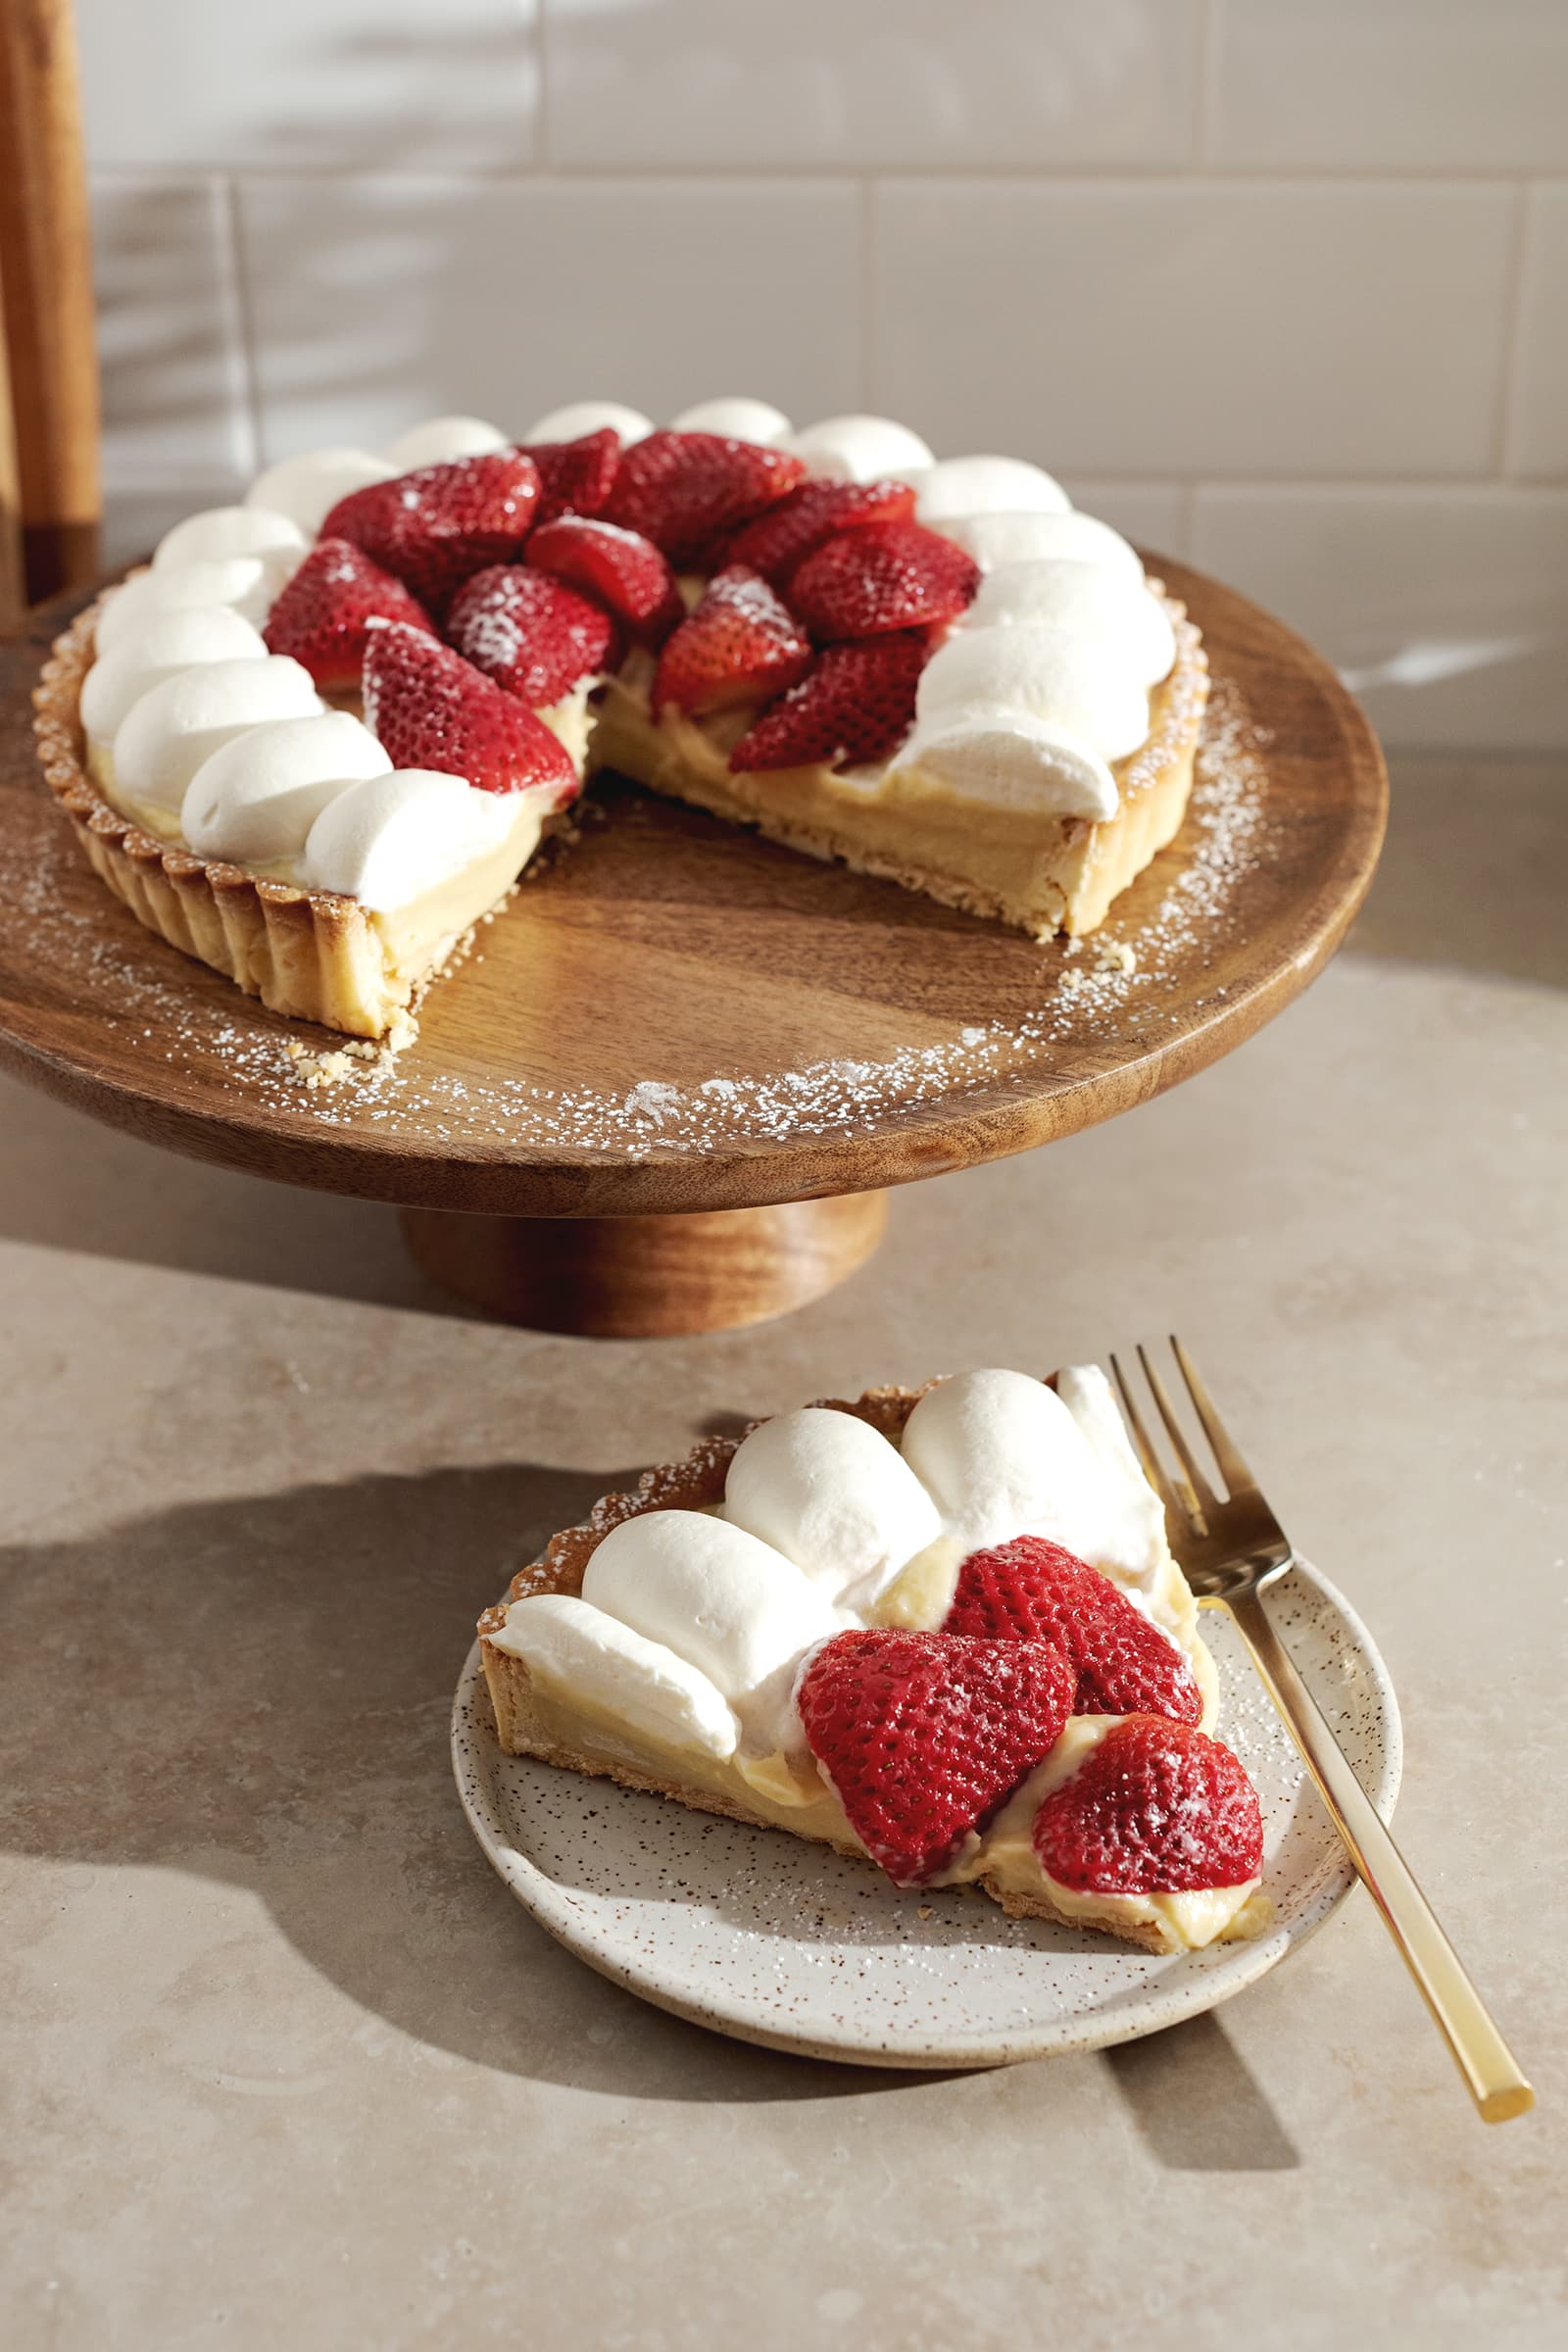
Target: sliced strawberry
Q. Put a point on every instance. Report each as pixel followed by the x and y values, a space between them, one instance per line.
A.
pixel 619 568
pixel 882 575
pixel 855 702
pixel 531 633
pixel 436 526
pixel 431 708
pixel 681 490
pixel 740 645
pixel 923 1736
pixel 1155 1808
pixel 813 511
pixel 1032 1591
pixel 575 477
pixel 321 615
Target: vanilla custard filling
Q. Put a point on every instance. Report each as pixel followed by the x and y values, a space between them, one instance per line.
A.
pixel 1006 1857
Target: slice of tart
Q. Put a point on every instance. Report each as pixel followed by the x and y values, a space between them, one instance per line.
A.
pixel 935 673
pixel 938 1630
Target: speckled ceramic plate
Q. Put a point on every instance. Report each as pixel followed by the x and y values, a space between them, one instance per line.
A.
pixel 762 1936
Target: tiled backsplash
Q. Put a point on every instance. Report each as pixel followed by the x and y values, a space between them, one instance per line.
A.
pixel 1280 288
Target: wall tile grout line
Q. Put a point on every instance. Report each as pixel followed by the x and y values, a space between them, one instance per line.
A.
pixel 1090 175
pixel 1207 40
pixel 544 122
pixel 1514 335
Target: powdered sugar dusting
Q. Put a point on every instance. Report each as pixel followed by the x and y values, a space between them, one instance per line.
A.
pixel 1125 979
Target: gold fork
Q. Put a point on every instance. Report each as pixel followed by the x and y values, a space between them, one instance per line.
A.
pixel 1230 1548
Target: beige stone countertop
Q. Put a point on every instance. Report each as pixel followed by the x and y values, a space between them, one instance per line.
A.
pixel 284 2065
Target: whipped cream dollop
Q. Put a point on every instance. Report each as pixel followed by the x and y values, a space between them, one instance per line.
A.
pixel 441 441
pixel 308 487
pixel 158 648
pixel 1045 684
pixel 607 1666
pixel 860 448
pixel 1032 535
pixel 830 1493
pixel 580 416
pixel 965 486
pixel 216 533
pixel 257 797
pixel 248 585
pixel 738 418
pixel 390 836
pixel 165 737
pixel 1003 1455
pixel 1078 679
pixel 1006 759
pixel 1068 599
pixel 721 1600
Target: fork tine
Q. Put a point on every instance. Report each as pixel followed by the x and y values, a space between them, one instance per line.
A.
pixel 1232 1468
pixel 1202 1500
pixel 1177 1507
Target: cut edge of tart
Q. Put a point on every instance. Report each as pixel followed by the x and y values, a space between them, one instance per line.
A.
pixel 541 1718
pixel 1037 875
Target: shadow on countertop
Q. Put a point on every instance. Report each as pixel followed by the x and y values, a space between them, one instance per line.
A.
pixel 1474 869
pixel 254 1740
pixel 1472 879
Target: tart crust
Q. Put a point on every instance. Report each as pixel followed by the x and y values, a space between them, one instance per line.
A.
pixel 1032 875
pixel 693 1485
pixel 313 955
pixel 308 954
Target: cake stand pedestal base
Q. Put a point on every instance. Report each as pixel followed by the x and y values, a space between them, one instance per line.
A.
pixel 639 1278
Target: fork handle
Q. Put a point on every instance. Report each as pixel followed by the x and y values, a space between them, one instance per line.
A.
pixel 1490 2068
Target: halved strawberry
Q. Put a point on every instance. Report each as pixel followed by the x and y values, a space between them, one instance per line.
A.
pixel 531 633
pixel 681 490
pixel 619 568
pixel 431 708
pixel 882 575
pixel 321 617
pixel 923 1736
pixel 436 526
pixel 1032 1591
pixel 575 477
pixel 855 702
pixel 740 645
pixel 813 511
pixel 1155 1808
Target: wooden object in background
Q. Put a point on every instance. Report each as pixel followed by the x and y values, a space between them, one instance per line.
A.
pixel 46 286
pixel 666 956
pixel 13 587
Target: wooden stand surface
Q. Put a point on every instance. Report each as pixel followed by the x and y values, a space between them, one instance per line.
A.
pixel 676 1020
pixel 649 1278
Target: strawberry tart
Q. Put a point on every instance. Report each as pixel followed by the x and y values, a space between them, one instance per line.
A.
pixel 941 1631
pixel 324 734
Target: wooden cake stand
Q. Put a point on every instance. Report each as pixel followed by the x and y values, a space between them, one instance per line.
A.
pixel 668 1088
